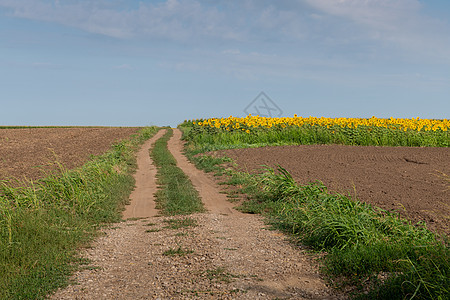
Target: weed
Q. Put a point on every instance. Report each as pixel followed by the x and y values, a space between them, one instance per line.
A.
pixel 219 275
pixel 136 219
pixel 177 252
pixel 181 234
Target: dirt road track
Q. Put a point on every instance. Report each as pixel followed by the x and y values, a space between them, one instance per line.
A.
pixel 142 204
pixel 214 202
pixel 229 255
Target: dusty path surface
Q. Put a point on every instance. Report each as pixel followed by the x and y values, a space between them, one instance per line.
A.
pixel 222 255
pixel 142 204
pixel 405 179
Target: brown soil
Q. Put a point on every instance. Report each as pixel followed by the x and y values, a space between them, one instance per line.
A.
pixel 227 255
pixel 31 151
pixel 407 180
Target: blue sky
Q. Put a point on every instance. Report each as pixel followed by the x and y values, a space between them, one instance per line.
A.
pixel 127 63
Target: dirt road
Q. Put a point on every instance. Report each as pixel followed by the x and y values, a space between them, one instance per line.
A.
pixel 223 254
pixel 141 199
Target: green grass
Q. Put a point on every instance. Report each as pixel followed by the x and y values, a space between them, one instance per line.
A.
pixel 136 219
pixel 209 163
pixel 175 195
pixel 378 254
pixel 219 274
pixel 181 234
pixel 43 223
pixel 177 252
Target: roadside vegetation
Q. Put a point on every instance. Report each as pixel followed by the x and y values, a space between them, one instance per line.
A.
pixel 372 252
pixel 175 194
pixel 44 223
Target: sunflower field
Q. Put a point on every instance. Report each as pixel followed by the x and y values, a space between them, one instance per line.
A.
pixel 231 132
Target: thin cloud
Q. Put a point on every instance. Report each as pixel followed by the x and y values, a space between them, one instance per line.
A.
pixel 123 67
pixel 392 23
pixel 379 13
pixel 173 19
pixel 328 30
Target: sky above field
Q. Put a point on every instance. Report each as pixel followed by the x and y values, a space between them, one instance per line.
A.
pixel 127 63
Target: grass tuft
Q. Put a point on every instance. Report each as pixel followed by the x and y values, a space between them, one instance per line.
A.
pixel 177 252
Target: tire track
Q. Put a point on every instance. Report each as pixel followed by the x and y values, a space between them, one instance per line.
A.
pixel 214 201
pixel 142 204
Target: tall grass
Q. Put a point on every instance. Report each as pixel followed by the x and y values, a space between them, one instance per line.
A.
pixel 362 242
pixel 43 223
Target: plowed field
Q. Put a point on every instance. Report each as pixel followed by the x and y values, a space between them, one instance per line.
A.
pixel 407 180
pixel 30 151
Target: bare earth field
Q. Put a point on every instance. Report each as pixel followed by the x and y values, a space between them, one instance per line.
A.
pixel 407 180
pixel 29 151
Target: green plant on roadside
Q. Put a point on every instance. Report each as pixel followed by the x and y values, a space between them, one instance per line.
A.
pixel 361 242
pixel 181 234
pixel 209 163
pixel 177 252
pixel 219 274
